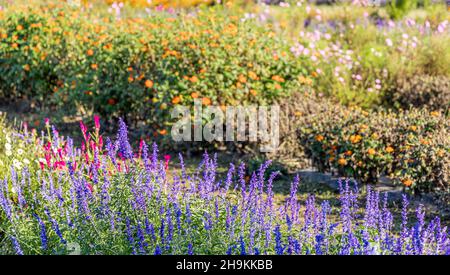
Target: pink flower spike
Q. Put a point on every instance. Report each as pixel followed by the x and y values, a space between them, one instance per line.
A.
pixel 97 122
pixel 83 129
pixel 167 159
pixel 47 121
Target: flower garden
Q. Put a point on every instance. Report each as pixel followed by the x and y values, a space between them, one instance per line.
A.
pixel 86 153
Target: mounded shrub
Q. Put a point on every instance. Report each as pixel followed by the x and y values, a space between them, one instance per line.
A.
pixel 429 91
pixel 411 147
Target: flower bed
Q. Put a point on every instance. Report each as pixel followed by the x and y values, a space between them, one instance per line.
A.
pixel 112 199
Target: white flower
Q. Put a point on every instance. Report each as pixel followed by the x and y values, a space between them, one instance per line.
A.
pixel 389 42
pixel 20 152
pixel 17 164
pixel 8 147
pixel 8 153
pixel 26 161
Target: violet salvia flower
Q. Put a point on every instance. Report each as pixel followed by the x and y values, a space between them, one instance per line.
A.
pixel 129 234
pixel 16 245
pixel 242 246
pixel 141 239
pixel 158 250
pixel 190 249
pixel 55 226
pixel 404 228
pixel 279 249
pixel 122 140
pixel 43 233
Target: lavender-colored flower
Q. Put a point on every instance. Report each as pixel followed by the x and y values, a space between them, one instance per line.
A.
pixel 122 140
pixel 16 245
pixel 43 233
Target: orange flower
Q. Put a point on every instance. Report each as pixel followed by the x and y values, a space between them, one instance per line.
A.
pixel 206 101
pixel 26 67
pixel 277 86
pixel 342 161
pixel 319 138
pixel 130 79
pixel 389 149
pixel 176 100
pixel 314 74
pixel 90 52
pixel 371 151
pixel 193 79
pixel 348 153
pixel 112 101
pixel 435 113
pixel 242 79
pixel 252 75
pixel 355 138
pixel 424 141
pixel 277 78
pixel 94 66
pixel 19 27
pixel 413 128
pixel 162 132
pixel 194 95
pixel 253 92
pixel 407 182
pixel 148 83
pixel 14 45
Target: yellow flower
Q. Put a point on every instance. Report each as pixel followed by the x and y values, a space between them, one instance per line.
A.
pixel 342 161
pixel 389 149
pixel 371 151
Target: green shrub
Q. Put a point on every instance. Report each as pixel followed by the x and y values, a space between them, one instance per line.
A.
pixel 411 147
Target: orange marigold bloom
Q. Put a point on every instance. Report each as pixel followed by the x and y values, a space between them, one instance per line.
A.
pixel 242 79
pixel 148 83
pixel 435 113
pixel 26 67
pixel 319 138
pixel 389 149
pixel 253 92
pixel 407 182
pixel 424 141
pixel 314 74
pixel 194 95
pixel 355 138
pixel 413 128
pixel 162 132
pixel 193 79
pixel 19 27
pixel 342 161
pixel 94 66
pixel 277 86
pixel 371 151
pixel 176 100
pixel 348 153
pixel 252 75
pixel 90 52
pixel 206 101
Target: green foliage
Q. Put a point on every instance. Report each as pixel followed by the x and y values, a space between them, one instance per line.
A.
pixel 399 8
pixel 411 147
